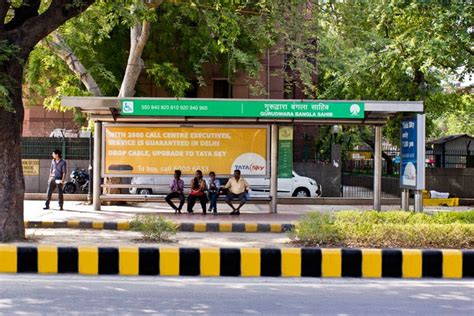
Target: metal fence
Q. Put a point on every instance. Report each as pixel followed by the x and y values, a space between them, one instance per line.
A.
pixel 450 159
pixel 41 148
pixel 433 159
pixel 361 186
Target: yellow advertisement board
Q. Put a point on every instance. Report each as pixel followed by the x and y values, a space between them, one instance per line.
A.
pixel 159 150
pixel 30 167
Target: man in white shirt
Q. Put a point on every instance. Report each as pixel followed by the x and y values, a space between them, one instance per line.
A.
pixel 237 188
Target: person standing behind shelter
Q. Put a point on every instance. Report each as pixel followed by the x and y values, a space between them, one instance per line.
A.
pixel 177 192
pixel 57 177
pixel 237 189
pixel 198 188
pixel 213 186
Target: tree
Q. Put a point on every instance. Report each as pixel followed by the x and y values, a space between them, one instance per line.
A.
pixel 22 26
pixel 186 36
pixel 372 50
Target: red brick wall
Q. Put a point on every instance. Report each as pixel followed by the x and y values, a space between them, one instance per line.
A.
pixel 40 122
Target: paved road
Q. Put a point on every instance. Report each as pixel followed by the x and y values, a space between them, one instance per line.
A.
pixel 30 294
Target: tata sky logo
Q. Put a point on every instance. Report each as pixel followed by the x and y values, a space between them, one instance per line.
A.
pixel 127 107
pixel 252 168
pixel 355 109
pixel 250 164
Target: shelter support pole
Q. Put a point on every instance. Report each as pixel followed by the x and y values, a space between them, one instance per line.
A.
pixel 378 168
pixel 405 200
pixel 97 164
pixel 418 201
pixel 91 159
pixel 274 169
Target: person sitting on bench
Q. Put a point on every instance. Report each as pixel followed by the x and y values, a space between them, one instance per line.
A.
pixel 198 189
pixel 177 188
pixel 237 188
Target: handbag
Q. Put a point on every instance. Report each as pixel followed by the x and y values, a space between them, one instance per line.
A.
pixel 196 192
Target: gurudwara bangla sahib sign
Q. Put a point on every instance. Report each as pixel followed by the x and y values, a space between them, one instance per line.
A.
pixel 243 108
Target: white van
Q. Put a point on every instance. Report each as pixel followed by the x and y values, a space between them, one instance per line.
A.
pixel 297 186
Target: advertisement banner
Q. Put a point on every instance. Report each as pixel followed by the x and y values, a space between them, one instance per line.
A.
pixel 412 153
pixel 31 167
pixel 285 152
pixel 159 150
pixel 243 108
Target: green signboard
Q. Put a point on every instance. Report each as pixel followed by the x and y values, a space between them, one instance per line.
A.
pixel 304 109
pixel 285 152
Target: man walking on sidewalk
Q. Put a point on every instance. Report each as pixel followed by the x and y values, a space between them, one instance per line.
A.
pixel 57 177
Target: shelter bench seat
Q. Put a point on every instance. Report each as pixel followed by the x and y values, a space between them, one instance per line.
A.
pixel 441 202
pixel 160 197
pixel 429 201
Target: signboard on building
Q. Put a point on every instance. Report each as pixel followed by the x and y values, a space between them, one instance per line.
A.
pixel 159 150
pixel 412 153
pixel 285 152
pixel 31 167
pixel 243 108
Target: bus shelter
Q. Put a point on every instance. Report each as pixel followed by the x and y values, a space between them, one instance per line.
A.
pixel 163 120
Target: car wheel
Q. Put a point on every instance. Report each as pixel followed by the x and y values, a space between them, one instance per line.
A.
pixel 144 191
pixel 301 192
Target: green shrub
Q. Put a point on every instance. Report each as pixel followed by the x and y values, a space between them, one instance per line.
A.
pixel 410 236
pixel 155 228
pixel 316 229
pixel 374 217
pixel 454 217
pixel 386 229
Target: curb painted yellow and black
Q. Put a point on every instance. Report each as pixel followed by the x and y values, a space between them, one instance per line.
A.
pixel 246 262
pixel 224 227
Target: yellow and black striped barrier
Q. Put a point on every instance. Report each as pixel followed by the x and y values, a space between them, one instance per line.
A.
pixel 246 262
pixel 221 227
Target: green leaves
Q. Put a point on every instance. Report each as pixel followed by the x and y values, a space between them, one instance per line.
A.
pixel 7 52
pixel 168 76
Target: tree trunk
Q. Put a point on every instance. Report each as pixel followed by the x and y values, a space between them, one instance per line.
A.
pixel 139 34
pixel 138 37
pixel 12 185
pixel 63 51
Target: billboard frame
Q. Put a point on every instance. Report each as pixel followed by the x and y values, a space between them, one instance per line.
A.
pixel 129 175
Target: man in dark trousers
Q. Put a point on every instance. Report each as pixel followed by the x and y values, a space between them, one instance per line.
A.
pixel 237 188
pixel 177 192
pixel 57 177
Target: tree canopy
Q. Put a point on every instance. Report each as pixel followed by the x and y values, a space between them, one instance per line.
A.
pixel 371 50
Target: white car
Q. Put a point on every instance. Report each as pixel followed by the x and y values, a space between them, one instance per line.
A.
pixel 297 186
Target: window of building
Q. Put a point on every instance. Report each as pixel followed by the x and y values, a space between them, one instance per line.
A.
pixel 222 89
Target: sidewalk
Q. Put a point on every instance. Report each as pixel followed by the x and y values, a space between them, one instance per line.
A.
pixel 74 210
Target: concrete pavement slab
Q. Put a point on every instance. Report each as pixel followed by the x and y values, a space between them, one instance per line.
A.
pixel 76 210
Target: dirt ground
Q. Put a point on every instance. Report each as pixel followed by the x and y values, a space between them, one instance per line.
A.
pixel 65 237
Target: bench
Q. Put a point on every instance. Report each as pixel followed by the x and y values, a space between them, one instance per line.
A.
pixel 428 201
pixel 441 202
pixel 160 196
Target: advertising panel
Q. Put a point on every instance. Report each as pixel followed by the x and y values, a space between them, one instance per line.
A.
pixel 412 153
pixel 159 150
pixel 31 167
pixel 285 152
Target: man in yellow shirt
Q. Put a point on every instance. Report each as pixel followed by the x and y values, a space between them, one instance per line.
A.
pixel 237 188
